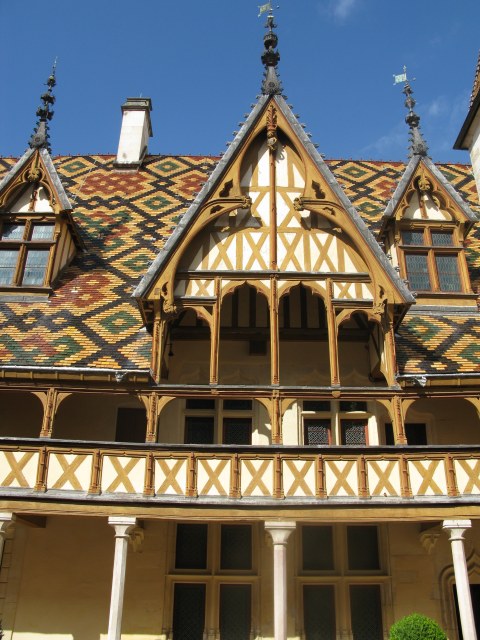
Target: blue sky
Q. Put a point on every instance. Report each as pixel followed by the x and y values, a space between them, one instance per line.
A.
pixel 199 61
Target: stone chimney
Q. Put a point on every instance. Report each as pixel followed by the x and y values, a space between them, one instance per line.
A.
pixel 134 134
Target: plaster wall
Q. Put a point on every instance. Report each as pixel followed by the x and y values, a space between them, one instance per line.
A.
pixel 90 416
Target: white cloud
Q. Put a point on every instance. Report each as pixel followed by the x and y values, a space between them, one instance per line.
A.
pixel 343 8
pixel 340 10
pixel 389 145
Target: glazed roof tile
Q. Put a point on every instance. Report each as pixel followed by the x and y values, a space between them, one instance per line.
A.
pixel 92 321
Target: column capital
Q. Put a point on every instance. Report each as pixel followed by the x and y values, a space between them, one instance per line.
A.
pixel 280 531
pixel 456 528
pixel 123 525
pixel 7 518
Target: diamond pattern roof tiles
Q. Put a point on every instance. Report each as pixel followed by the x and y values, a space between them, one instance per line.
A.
pixel 90 319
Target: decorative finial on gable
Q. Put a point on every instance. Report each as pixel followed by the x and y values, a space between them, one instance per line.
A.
pixel 418 145
pixel 270 57
pixel 40 136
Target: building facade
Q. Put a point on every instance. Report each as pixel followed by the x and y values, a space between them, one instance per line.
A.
pixel 239 396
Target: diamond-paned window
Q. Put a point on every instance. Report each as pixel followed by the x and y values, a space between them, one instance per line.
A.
pixel 366 612
pixel 431 260
pixel 319 612
pixel 25 251
pixel 354 432
pixel 317 431
pixel 235 611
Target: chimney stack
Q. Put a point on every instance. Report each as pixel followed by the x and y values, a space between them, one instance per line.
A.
pixel 134 134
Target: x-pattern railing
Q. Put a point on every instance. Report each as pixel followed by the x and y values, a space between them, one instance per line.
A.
pixel 269 473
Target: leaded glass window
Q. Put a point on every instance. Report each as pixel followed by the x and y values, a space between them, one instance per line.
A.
pixel 448 276
pixel 235 611
pixel 417 271
pixel 366 612
pixel 35 267
pixel 237 431
pixel 319 612
pixel 8 265
pixel 354 432
pixel 412 237
pixel 188 611
pixel 316 431
pixel 25 254
pixel 431 258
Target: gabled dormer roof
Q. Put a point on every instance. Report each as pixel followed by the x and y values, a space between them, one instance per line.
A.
pixel 412 169
pixel 30 160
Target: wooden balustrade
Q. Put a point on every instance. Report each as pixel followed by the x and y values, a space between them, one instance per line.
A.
pixel 260 473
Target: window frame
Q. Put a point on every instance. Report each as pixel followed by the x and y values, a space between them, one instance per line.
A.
pixel 25 244
pixel 218 413
pixel 431 251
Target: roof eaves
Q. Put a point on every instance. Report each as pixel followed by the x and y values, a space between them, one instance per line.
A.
pixel 400 190
pixel 57 183
pixel 189 216
pixel 472 112
pixel 16 168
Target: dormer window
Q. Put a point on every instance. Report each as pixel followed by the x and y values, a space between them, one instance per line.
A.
pixel 26 248
pixel 431 259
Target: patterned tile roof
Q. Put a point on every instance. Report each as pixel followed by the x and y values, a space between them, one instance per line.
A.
pixel 124 218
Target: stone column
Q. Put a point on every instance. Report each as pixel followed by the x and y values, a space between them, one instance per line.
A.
pixel 456 528
pixel 6 519
pixel 123 526
pixel 280 532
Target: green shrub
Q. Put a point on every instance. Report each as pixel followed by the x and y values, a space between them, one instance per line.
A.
pixel 416 627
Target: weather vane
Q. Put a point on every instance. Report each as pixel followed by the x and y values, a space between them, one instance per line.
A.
pixel 401 77
pixel 263 8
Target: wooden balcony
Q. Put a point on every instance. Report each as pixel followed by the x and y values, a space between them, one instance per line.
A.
pixel 298 475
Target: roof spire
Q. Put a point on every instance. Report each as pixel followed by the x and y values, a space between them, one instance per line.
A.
pixel 418 145
pixel 270 57
pixel 40 137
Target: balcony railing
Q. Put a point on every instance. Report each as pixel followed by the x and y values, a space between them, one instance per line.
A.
pixel 76 470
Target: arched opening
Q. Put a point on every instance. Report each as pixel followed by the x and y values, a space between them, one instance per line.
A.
pixel 361 352
pixel 442 421
pixel 231 421
pixel 101 417
pixel 21 415
pixel 188 349
pixel 244 350
pixel 304 358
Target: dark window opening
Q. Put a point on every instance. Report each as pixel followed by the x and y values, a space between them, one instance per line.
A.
pixel 236 547
pixel 415 432
pixel 237 431
pixel 319 612
pixel 191 546
pixel 188 611
pixel 366 612
pixel 317 548
pixel 362 545
pixel 235 611
pixel 199 429
pixel 131 425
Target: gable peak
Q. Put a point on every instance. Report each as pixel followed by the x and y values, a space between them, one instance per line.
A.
pixel 40 137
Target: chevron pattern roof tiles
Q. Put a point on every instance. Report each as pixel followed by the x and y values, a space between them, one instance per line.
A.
pixel 124 218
